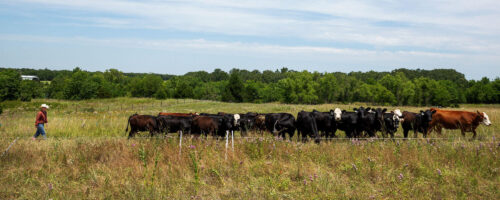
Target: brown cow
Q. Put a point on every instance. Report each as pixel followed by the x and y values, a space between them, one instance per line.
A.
pixel 141 123
pixel 203 124
pixel 178 114
pixel 463 120
pixel 260 123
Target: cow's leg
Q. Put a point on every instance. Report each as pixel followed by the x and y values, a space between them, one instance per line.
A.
pixel 415 131
pixel 291 133
pixel 474 132
pixel 131 133
pixel 462 129
pixel 333 133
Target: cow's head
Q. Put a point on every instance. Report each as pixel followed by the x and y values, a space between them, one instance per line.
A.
pixel 427 115
pixel 337 114
pixel 379 112
pixel 395 119
pixel 236 119
pixel 398 113
pixel 484 118
pixel 361 111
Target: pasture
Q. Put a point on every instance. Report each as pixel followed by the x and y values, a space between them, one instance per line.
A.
pixel 87 156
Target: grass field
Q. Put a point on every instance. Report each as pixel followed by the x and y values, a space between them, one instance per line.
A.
pixel 87 156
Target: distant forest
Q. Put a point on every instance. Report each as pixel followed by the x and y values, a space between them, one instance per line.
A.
pixel 438 87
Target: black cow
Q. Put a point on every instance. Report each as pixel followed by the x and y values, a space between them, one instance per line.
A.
pixel 348 122
pixel 371 120
pixel 247 122
pixel 142 123
pixel 280 124
pixel 391 124
pixel 418 122
pixel 173 124
pixel 326 123
pixel 306 126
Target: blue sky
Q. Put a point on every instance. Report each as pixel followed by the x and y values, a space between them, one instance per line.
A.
pixel 176 37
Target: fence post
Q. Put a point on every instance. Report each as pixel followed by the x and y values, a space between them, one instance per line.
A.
pixel 180 144
pixel 227 141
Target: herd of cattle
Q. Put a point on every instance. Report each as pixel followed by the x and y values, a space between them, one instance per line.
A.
pixel 361 122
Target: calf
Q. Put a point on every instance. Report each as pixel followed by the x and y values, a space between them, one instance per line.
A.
pixel 418 122
pixel 306 126
pixel 463 120
pixel 142 123
pixel 280 124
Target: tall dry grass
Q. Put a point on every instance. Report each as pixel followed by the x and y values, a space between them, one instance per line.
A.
pixel 87 156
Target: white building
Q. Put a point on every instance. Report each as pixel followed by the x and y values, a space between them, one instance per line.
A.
pixel 30 77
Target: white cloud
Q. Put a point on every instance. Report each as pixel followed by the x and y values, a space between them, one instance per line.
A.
pixel 444 25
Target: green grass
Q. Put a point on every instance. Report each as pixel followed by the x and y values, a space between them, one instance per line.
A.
pixel 87 156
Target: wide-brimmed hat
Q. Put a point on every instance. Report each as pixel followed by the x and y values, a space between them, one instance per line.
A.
pixel 44 106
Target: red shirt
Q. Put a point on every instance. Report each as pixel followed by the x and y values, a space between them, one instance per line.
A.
pixel 41 118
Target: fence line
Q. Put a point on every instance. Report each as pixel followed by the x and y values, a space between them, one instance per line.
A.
pixel 263 138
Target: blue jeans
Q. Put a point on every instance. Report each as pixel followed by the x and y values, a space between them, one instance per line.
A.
pixel 40 130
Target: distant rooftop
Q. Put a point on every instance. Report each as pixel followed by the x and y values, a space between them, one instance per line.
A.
pixel 29 77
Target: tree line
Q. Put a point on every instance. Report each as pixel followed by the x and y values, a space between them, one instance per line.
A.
pixel 439 87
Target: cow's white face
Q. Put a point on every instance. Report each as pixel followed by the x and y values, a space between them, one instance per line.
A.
pixel 236 119
pixel 486 120
pixel 337 114
pixel 395 117
pixel 398 113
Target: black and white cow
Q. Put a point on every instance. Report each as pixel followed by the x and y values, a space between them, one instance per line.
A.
pixel 391 124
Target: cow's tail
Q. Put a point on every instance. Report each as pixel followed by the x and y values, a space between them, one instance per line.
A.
pixel 128 121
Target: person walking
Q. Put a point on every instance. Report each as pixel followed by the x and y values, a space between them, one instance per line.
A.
pixel 41 120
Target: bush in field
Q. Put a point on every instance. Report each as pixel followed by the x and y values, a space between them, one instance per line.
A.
pixel 30 89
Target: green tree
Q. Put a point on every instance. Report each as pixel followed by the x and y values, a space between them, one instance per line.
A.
pixel 30 89
pixel 234 89
pixel 299 87
pixel 56 87
pixel 10 82
pixel 328 90
pixel 251 91
pixel 208 91
pixel 400 86
pixel 183 89
pixel 80 86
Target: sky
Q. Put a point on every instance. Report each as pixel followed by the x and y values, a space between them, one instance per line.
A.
pixel 176 37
